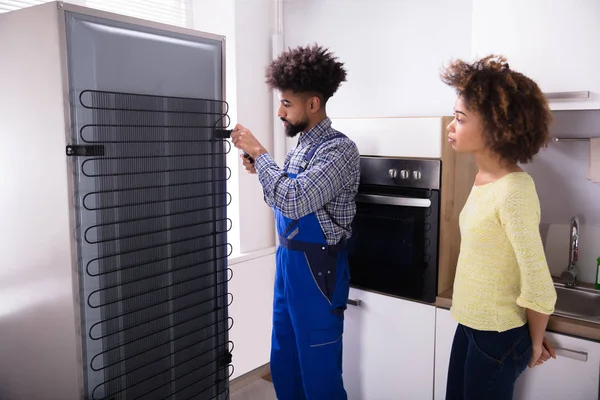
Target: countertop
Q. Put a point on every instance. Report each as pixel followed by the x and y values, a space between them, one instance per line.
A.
pixel 568 326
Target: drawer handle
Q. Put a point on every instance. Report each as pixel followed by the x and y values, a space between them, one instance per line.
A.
pixel 572 354
pixel 355 303
pixel 393 200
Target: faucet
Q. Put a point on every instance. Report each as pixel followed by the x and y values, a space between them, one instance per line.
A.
pixel 569 276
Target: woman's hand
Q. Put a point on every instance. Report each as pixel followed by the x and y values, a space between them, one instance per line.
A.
pixel 541 348
pixel 541 353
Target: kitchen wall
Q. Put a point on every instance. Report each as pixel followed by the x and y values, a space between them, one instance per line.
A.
pixel 248 26
pixel 218 17
pixel 559 172
pixel 393 50
pixel 254 26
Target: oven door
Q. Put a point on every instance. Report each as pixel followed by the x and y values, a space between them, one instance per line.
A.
pixel 394 245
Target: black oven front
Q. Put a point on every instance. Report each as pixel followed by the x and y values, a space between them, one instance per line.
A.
pixel 394 245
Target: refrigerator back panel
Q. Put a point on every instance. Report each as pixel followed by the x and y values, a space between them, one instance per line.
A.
pixel 120 57
pixel 151 197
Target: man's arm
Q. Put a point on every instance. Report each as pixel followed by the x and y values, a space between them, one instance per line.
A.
pixel 329 172
pixel 267 199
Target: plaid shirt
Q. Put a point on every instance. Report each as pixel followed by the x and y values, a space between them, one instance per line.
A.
pixel 327 186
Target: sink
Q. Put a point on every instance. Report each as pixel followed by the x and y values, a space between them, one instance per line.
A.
pixel 578 303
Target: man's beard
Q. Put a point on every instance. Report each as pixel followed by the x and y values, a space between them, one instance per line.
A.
pixel 291 130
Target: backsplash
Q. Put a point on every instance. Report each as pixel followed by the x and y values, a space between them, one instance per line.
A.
pixel 559 172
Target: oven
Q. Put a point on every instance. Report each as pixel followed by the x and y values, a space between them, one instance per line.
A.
pixel 394 246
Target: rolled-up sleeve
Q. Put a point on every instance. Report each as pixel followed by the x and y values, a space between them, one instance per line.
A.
pixel 520 216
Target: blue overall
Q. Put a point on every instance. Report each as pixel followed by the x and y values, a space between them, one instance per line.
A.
pixel 311 291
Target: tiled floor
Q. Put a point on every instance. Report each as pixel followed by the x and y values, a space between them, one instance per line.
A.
pixel 257 390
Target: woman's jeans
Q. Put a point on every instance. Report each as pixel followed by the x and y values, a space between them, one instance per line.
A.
pixel 484 365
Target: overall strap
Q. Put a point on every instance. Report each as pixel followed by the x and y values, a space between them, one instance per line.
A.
pixel 307 158
pixel 311 152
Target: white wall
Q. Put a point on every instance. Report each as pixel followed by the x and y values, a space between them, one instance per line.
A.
pixel 248 26
pixel 218 17
pixel 393 50
pixel 254 26
pixel 564 193
pixel 253 289
pixel 560 174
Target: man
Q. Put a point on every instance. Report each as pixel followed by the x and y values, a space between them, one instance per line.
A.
pixel 313 200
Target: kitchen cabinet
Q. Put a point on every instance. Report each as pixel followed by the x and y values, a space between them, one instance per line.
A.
pixel 575 373
pixel 553 42
pixel 395 137
pixel 445 326
pixel 388 348
pixel 251 308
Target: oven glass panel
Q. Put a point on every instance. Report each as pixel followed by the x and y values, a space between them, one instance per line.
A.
pixel 393 249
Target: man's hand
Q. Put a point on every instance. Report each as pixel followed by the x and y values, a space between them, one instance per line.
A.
pixel 244 140
pixel 247 164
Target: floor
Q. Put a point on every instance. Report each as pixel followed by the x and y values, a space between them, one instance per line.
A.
pixel 261 389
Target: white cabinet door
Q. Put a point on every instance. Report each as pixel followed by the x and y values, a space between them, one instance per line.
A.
pixel 394 137
pixel 252 311
pixel 388 348
pixel 573 375
pixel 553 42
pixel 445 327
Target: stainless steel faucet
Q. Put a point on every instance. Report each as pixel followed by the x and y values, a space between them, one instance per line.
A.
pixel 569 276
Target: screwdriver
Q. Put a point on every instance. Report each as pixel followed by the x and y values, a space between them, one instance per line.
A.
pixel 226 133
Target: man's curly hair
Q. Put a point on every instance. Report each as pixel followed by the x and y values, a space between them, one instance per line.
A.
pixel 513 110
pixel 311 69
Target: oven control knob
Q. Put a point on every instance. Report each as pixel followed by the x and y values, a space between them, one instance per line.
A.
pixel 404 174
pixel 393 173
pixel 417 175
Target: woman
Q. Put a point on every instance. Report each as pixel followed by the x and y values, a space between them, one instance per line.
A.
pixel 503 290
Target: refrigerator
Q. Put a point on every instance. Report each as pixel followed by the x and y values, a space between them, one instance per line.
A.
pixel 114 200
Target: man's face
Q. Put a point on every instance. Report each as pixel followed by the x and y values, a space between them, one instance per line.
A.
pixel 293 112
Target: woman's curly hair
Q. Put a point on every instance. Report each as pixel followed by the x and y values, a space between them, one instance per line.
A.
pixel 310 69
pixel 513 109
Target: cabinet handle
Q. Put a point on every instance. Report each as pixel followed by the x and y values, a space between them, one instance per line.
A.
pixel 572 354
pixel 356 302
pixel 583 94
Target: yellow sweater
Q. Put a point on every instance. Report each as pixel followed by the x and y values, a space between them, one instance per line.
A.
pixel 502 267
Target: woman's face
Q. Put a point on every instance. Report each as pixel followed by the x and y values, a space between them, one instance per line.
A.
pixel 465 132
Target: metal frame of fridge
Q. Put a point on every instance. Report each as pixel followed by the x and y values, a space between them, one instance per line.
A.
pixel 65 382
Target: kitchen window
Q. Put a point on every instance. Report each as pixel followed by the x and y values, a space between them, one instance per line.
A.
pixel 172 12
